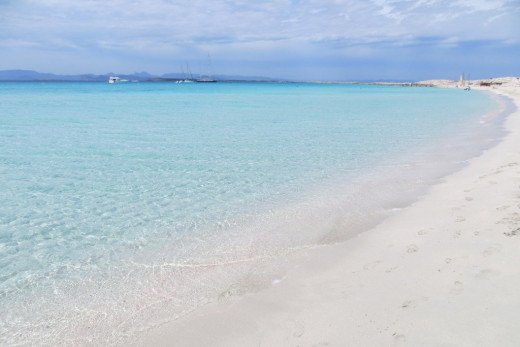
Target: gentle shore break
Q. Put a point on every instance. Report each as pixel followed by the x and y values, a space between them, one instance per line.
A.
pixel 443 271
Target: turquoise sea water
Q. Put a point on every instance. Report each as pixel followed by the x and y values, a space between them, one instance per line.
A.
pixel 123 206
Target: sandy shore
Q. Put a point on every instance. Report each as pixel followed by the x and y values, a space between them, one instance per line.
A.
pixel 444 271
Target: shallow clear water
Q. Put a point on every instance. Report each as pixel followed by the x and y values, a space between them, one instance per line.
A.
pixel 116 198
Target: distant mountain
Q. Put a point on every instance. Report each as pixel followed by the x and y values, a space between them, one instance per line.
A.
pixel 30 75
pixel 25 75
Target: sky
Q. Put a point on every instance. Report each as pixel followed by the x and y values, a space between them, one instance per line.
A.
pixel 340 40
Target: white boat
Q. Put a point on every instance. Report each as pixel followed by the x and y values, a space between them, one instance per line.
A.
pixel 115 79
pixel 463 83
pixel 187 77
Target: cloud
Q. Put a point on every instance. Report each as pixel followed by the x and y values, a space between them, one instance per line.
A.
pixel 184 30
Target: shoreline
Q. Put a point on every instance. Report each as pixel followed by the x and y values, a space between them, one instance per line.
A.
pixel 162 282
pixel 451 254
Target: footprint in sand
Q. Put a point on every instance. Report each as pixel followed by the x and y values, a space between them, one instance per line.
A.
pixel 391 269
pixel 412 248
pixel 513 232
pixel 422 232
pixel 227 294
pixel 512 219
pixel 469 198
pixel 399 337
pixel 502 208
pixel 457 234
pixel 460 219
pixel 493 249
pixel 458 208
pixel 486 273
pixel 299 329
pixel 408 304
pixel 372 265
pixel 457 288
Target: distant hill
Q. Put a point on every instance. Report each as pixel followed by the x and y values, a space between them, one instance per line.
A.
pixel 30 75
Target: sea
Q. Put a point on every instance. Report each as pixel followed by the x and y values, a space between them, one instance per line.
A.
pixel 126 206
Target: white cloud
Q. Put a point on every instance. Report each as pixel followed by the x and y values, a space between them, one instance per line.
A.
pixel 242 20
pixel 239 28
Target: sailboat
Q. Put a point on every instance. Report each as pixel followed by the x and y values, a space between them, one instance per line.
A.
pixel 462 83
pixel 186 79
pixel 207 77
pixel 468 87
pixel 115 79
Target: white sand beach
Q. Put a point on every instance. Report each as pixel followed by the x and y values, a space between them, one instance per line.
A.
pixel 444 271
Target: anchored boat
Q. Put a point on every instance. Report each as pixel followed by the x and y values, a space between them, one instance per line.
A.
pixel 115 79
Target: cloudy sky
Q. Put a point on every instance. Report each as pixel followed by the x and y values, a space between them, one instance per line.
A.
pixel 298 39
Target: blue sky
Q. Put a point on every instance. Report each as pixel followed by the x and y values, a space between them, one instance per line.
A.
pixel 297 39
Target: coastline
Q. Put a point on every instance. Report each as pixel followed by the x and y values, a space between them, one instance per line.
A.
pixel 438 272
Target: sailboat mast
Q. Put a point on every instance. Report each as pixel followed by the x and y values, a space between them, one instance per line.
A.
pixel 189 71
pixel 207 75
